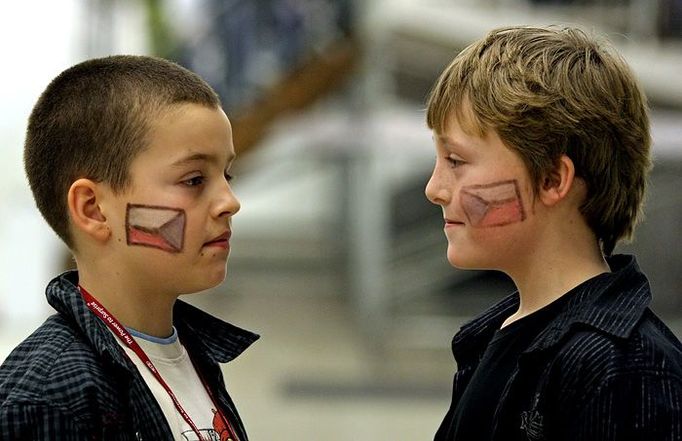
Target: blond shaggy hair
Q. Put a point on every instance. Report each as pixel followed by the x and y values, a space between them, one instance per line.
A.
pixel 553 91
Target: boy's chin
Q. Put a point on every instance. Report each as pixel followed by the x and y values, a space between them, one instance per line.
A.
pixel 214 280
pixel 209 281
pixel 461 260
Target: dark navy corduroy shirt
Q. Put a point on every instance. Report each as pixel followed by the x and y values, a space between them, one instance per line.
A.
pixel 70 380
pixel 605 369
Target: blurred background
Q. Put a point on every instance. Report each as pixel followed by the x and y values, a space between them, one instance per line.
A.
pixel 338 260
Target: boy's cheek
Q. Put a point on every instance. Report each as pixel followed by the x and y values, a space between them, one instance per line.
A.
pixel 493 204
pixel 155 227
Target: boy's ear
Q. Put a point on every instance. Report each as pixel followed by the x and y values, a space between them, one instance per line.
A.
pixel 556 184
pixel 84 209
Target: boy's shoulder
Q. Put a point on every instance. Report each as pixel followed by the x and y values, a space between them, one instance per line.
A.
pixel 635 382
pixel 54 366
pixel 651 344
pixel 590 360
pixel 55 385
pixel 607 326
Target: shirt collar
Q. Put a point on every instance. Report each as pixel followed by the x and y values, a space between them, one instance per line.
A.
pixel 219 340
pixel 610 302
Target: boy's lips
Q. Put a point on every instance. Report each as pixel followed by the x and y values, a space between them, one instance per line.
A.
pixel 452 222
pixel 221 241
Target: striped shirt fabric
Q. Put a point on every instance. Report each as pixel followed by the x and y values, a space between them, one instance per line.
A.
pixel 605 369
pixel 71 381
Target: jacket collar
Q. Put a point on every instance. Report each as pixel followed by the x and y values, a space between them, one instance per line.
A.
pixel 218 340
pixel 611 302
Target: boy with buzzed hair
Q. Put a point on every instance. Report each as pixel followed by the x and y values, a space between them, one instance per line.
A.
pixel 543 151
pixel 128 160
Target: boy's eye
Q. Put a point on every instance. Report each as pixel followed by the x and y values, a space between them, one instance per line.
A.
pixel 228 177
pixel 194 181
pixel 454 161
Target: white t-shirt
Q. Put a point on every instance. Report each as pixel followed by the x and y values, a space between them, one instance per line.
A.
pixel 176 368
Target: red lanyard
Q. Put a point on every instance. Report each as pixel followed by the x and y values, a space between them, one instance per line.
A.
pixel 130 342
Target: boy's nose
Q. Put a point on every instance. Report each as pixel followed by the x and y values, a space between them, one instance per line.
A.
pixel 227 204
pixel 435 191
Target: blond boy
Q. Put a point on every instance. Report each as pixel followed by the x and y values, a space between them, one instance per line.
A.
pixel 543 150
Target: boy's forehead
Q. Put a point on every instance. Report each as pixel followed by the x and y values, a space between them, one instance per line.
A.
pixel 191 156
pixel 460 130
pixel 448 141
pixel 187 133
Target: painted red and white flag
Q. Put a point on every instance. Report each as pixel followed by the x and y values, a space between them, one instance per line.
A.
pixel 155 227
pixel 492 205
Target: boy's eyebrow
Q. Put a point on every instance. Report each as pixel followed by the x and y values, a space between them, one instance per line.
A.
pixel 450 142
pixel 197 157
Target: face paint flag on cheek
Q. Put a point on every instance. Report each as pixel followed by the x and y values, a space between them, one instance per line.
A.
pixel 155 227
pixel 492 205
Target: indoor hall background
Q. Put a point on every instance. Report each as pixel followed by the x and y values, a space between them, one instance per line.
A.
pixel 338 260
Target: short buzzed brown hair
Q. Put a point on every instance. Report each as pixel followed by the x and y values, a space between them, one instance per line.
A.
pixel 553 91
pixel 92 121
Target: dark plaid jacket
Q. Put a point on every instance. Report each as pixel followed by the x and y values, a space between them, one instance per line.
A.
pixel 70 380
pixel 605 369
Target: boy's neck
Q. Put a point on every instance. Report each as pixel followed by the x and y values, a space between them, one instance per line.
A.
pixel 554 270
pixel 133 305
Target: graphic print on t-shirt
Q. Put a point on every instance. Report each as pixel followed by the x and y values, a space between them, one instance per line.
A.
pixel 220 427
pixel 219 432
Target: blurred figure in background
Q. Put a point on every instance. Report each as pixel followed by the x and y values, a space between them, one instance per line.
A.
pixel 543 151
